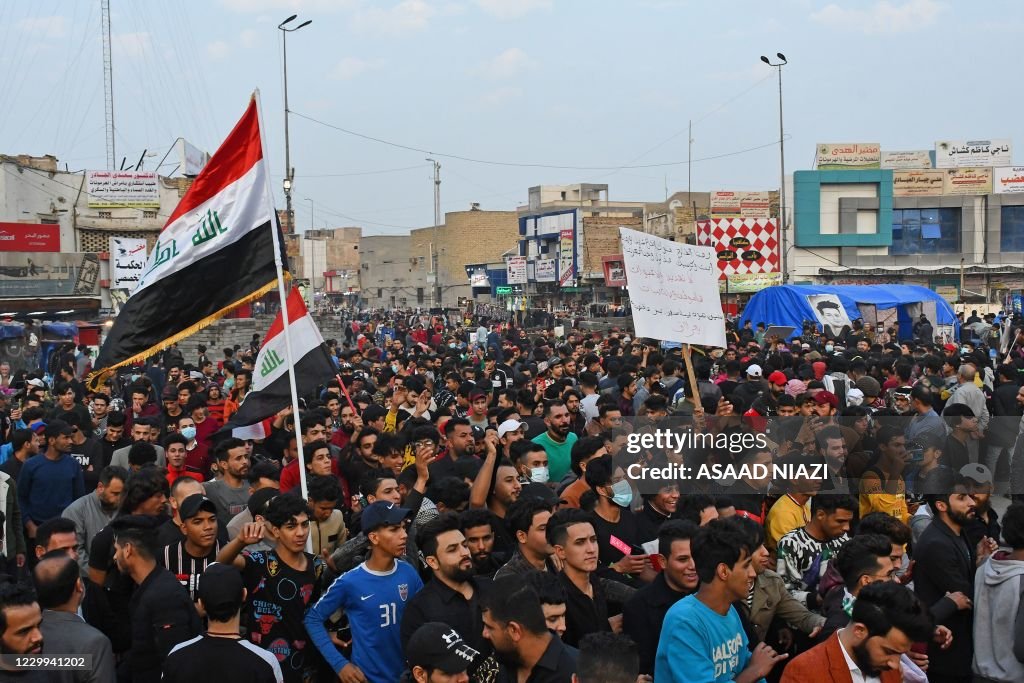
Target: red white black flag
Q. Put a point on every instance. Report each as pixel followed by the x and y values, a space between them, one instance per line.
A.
pixel 215 253
pixel 311 363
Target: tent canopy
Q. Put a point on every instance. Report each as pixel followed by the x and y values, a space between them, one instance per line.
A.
pixel 788 304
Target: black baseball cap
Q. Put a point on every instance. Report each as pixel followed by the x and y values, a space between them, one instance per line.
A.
pixel 221 587
pixel 191 506
pixel 438 646
pixel 383 513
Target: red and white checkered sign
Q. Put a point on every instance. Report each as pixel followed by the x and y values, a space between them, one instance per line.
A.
pixel 761 233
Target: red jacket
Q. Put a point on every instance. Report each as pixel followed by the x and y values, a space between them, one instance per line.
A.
pixel 825 663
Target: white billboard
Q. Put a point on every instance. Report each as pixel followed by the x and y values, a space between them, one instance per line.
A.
pixel 545 270
pixel 122 189
pixel 516 267
pixel 192 159
pixel 127 261
pixel 969 153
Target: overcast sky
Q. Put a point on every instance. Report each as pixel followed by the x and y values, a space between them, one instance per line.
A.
pixel 547 82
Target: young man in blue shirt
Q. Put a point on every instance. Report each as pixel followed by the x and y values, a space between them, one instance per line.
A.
pixel 374 596
pixel 702 639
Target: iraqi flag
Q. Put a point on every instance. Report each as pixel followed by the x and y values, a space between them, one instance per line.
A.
pixel 215 253
pixel 312 364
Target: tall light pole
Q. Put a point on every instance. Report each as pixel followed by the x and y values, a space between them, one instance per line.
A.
pixel 434 258
pixel 782 168
pixel 311 207
pixel 289 172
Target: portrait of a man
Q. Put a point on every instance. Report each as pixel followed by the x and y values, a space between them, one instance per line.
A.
pixel 829 312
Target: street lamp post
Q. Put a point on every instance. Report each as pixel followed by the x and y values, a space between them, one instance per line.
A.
pixel 312 206
pixel 782 168
pixel 289 172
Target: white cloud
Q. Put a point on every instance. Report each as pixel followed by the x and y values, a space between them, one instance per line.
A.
pixel 407 16
pixel 505 65
pixel 248 38
pixel 882 17
pixel 352 67
pixel 131 45
pixel 500 96
pixel 512 9
pixel 218 49
pixel 49 27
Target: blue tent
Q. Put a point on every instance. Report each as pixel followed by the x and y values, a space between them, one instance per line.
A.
pixel 788 305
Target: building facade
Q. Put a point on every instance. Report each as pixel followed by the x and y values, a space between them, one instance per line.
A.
pixel 958 230
pixel 386 272
pixel 466 237
pixel 56 229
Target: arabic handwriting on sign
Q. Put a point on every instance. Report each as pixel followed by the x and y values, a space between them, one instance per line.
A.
pixel 208 228
pixel 271 362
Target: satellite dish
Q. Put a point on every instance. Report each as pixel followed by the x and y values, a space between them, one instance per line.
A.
pixel 675 204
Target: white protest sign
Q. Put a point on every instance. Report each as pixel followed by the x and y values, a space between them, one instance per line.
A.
pixel 673 289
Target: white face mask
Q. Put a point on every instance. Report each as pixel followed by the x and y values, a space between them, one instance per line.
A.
pixel 539 475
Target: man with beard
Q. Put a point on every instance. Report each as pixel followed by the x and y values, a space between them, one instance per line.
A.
pixel 161 612
pixel 231 492
pixel 478 528
pixel 767 404
pixel 644 613
pixel 374 595
pixel 453 594
pixel 349 423
pixel 577 420
pixel 887 620
pixel 986 519
pixel 945 566
pixel 91 513
pixel 558 439
pixel 20 619
pixel 461 445
pixel 514 624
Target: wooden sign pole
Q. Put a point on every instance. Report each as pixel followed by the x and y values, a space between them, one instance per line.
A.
pixel 693 376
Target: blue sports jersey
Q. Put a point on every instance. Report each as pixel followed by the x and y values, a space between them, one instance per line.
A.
pixel 374 603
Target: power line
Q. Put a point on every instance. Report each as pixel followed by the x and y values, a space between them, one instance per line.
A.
pixel 359 173
pixel 491 162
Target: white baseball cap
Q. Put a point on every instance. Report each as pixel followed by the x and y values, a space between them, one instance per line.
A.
pixel 754 370
pixel 976 472
pixel 509 426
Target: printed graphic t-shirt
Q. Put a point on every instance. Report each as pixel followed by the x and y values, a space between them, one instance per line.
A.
pixel 279 596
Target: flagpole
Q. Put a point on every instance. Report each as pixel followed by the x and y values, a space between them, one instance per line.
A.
pixel 284 310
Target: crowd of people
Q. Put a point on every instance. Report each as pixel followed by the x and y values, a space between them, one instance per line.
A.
pixel 470 505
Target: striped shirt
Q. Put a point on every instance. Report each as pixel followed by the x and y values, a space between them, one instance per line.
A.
pixel 185 567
